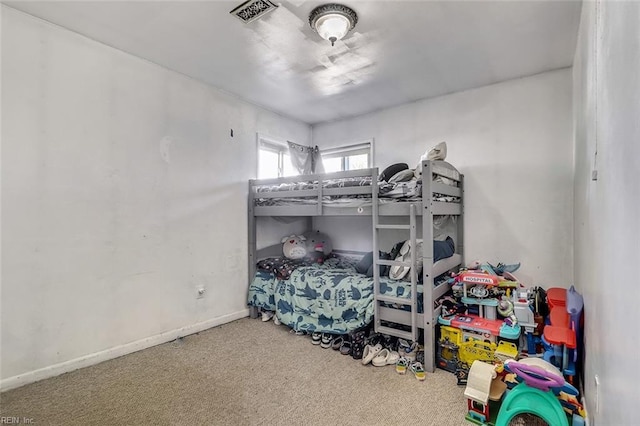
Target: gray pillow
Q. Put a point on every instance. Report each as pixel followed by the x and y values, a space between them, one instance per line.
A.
pixel 402 176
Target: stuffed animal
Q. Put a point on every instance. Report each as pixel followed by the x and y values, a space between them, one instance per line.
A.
pixel 318 246
pixel 294 247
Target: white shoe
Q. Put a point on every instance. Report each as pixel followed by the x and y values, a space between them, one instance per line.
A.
pixel 276 321
pixel 407 350
pixel 325 341
pixel 370 352
pixel 266 316
pixel 380 360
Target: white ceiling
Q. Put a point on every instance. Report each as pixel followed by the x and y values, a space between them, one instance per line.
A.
pixel 400 51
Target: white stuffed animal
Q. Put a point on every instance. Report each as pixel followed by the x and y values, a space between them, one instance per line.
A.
pixel 294 247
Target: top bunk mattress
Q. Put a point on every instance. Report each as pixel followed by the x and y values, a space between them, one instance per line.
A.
pixel 410 190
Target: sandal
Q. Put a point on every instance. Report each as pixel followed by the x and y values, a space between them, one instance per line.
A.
pixel 393 357
pixel 345 348
pixel 401 365
pixel 381 359
pixel 418 371
pixel 370 352
pixel 336 343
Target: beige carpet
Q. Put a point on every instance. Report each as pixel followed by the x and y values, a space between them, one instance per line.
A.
pixel 243 373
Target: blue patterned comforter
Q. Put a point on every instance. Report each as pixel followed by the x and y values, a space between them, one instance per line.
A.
pixel 331 297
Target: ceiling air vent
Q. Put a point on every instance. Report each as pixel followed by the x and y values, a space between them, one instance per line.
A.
pixel 252 10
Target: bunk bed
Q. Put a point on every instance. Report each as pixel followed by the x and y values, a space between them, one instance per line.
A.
pixel 438 192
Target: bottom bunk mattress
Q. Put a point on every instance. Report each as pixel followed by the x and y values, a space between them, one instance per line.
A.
pixel 331 297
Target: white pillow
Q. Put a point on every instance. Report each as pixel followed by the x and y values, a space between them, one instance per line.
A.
pixel 438 152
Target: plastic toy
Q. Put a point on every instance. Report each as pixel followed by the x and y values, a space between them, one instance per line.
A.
pixel 483 385
pixel 486 307
pixel 506 350
pixel 477 283
pixel 456 353
pixel 524 312
pixel 575 305
pixel 482 328
pixel 485 326
pixel 533 395
pixel 556 296
pixel 560 339
pixel 506 309
pixel 448 346
pixel 562 335
pixel 475 350
pixel 459 351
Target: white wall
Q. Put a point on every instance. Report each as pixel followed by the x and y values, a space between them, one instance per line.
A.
pixel 122 193
pixel 513 142
pixel 607 211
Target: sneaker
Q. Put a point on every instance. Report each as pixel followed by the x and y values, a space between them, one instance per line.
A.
pixel 401 365
pixel 276 321
pixel 418 371
pixel 325 341
pixel 316 337
pixel 266 316
pixel 407 350
pixel 402 344
pixel 420 354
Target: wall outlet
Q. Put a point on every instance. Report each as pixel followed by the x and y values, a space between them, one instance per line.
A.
pixel 200 291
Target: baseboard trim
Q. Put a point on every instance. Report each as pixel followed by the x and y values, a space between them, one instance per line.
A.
pixel 115 352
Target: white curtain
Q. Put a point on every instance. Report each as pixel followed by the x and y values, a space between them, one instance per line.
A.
pixel 305 159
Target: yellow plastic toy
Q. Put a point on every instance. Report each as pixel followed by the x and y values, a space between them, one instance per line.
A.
pixel 477 350
pixel 506 350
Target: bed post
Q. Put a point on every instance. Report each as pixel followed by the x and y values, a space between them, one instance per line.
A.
pixel 427 268
pixel 253 311
pixel 460 227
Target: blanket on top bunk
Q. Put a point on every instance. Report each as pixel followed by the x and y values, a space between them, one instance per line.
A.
pixel 406 190
pixel 331 297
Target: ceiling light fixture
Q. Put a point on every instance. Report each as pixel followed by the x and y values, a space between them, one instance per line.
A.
pixel 333 21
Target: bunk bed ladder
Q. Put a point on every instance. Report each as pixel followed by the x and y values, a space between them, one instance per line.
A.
pixel 378 298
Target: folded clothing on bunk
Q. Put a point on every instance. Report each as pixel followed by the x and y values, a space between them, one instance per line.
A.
pixel 441 250
pixel 282 267
pixel 402 252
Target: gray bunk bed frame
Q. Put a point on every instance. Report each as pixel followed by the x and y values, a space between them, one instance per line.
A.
pixel 427 207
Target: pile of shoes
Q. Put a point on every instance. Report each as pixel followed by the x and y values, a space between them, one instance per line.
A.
pixel 338 342
pixel 376 349
pixel 412 358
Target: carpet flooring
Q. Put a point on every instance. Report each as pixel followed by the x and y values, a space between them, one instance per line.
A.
pixel 243 373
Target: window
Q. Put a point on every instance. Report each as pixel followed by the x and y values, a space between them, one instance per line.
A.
pixel 351 157
pixel 273 159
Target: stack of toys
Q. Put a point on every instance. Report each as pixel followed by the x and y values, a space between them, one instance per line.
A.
pixel 514 348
